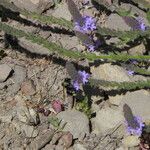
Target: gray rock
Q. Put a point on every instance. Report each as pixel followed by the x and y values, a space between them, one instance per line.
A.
pixel 137 50
pixel 34 5
pixel 77 123
pixel 5 71
pixel 109 72
pixel 17 78
pixel 79 147
pixel 30 131
pixel 131 141
pixel 25 114
pixel 28 88
pixel 62 12
pixel 33 48
pixel 139 102
pixel 117 23
pixel 107 119
pixel 42 140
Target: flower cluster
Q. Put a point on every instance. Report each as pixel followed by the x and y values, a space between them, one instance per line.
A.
pixel 141 24
pixel 81 78
pixel 130 72
pixel 90 47
pixel 138 130
pixel 89 24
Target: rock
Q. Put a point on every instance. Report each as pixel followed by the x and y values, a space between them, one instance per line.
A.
pixel 106 119
pixel 7 118
pixel 67 139
pixel 44 5
pixel 139 102
pixel 25 114
pixel 42 140
pixel 17 78
pixel 33 48
pixel 78 147
pixel 115 100
pixel 5 71
pixel 28 88
pixel 34 5
pixel 63 8
pixel 74 42
pixel 30 131
pixel 120 148
pixel 131 141
pixel 109 72
pixel 77 123
pixel 116 22
pixel 137 50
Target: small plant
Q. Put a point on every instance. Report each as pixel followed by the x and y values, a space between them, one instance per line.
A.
pixel 84 106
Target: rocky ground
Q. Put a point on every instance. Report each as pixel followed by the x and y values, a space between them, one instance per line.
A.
pixel 31 90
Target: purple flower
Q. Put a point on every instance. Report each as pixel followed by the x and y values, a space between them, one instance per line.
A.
pixel 141 24
pixel 92 48
pixel 81 78
pixel 130 72
pixel 89 24
pixel 138 129
pixel 76 85
pixel 85 2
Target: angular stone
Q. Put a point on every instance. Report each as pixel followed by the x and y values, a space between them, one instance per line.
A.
pixel 77 123
pixel 28 88
pixel 116 22
pixel 109 72
pixel 139 102
pixel 107 119
pixel 131 141
pixel 5 71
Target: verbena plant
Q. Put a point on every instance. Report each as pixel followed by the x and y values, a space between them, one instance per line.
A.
pixel 124 36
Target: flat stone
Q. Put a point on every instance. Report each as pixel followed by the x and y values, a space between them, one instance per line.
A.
pixel 28 88
pixel 62 12
pixel 116 22
pixel 30 131
pixel 137 50
pixel 34 5
pixel 79 147
pixel 106 119
pixel 25 114
pixel 139 102
pixel 77 123
pixel 5 71
pixel 109 72
pixel 131 141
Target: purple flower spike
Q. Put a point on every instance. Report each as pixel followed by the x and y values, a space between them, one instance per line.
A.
pixel 89 24
pixel 85 2
pixel 138 130
pixel 141 24
pixel 76 85
pixel 83 76
pixel 130 72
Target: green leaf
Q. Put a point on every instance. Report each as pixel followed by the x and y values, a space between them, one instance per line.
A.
pixel 123 12
pixel 148 16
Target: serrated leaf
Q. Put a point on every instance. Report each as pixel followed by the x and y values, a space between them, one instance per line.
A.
pixel 123 12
